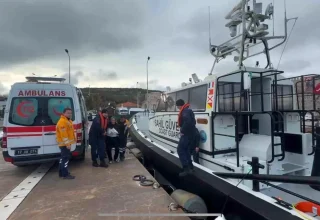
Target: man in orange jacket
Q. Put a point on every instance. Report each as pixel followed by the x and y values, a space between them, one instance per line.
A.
pixel 65 138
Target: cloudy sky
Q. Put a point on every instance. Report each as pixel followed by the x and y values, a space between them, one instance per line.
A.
pixel 109 40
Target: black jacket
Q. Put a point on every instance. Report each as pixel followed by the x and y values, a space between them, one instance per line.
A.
pixel 196 138
pixel 188 122
pixel 96 132
pixel 123 129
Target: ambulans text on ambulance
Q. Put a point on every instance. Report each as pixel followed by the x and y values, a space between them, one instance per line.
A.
pixel 41 93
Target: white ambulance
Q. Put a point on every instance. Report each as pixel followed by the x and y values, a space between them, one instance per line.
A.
pixel 32 112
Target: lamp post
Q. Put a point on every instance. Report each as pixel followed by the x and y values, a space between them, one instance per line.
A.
pixel 69 62
pixel 137 95
pixel 148 85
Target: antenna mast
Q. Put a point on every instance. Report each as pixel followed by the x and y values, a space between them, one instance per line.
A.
pixel 209 27
pixel 254 33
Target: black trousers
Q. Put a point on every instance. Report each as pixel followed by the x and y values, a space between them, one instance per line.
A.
pixel 184 152
pixel 195 156
pixel 64 161
pixel 122 147
pixel 112 142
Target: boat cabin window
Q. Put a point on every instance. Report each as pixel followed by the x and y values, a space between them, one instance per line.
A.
pixel 198 98
pixel 229 97
pixel 195 96
pixel 284 97
pixel 171 102
pixel 184 95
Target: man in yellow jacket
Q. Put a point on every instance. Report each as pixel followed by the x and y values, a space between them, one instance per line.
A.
pixel 65 138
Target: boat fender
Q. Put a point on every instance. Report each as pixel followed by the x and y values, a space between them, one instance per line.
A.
pixel 131 145
pixel 136 152
pixel 189 201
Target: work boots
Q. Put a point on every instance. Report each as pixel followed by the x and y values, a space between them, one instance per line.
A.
pixel 186 171
pixel 95 163
pixel 103 164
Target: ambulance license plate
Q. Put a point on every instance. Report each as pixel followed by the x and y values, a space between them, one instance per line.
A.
pixel 26 152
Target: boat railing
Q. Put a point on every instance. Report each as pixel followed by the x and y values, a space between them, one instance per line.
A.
pixel 305 88
pixel 273 133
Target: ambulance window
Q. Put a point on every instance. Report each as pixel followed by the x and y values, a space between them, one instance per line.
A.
pixel 56 107
pixel 23 111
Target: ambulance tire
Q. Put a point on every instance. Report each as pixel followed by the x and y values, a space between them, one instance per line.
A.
pixel 82 156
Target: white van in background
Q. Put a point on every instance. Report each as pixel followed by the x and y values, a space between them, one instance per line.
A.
pixel 122 111
pixel 32 112
pixel 134 111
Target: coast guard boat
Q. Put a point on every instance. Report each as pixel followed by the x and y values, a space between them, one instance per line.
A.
pixel 256 145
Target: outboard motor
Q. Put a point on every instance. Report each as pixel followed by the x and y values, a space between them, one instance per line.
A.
pixel 316 161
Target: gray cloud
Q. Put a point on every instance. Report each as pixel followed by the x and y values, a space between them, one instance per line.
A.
pixel 110 40
pixel 295 65
pixel 107 75
pixel 101 75
pixel 36 29
pixel 3 89
pixel 153 85
pixel 74 77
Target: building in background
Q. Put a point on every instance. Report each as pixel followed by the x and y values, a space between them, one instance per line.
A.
pixel 127 105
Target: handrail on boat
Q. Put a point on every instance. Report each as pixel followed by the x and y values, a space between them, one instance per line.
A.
pixel 303 126
pixel 251 113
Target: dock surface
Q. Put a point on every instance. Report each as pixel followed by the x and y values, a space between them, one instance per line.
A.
pixel 95 191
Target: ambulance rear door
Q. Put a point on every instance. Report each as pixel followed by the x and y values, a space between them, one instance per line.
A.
pixel 22 125
pixel 60 96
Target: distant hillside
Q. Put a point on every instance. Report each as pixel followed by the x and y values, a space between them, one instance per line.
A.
pixel 102 96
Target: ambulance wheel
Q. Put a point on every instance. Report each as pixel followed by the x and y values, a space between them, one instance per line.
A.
pixel 82 156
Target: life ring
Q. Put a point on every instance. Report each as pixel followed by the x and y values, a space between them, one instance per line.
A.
pixel 308 207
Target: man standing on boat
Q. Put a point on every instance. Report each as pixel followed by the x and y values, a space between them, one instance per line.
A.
pixel 187 124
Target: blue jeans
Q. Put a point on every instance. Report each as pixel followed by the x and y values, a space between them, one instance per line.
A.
pixel 64 162
pixel 184 151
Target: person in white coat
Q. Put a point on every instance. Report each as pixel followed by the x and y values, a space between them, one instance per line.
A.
pixel 113 140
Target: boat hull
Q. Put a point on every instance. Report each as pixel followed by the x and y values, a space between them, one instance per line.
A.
pixel 210 188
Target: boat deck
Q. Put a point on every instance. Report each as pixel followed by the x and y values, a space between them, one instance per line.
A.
pixel 94 192
pixel 304 190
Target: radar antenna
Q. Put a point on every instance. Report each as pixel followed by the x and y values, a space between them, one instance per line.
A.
pixel 254 32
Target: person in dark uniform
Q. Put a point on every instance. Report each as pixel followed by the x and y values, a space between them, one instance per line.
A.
pixel 187 124
pixel 195 146
pixel 97 135
pixel 123 135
